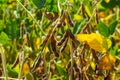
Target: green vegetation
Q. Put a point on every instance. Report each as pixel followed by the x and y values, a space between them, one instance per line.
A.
pixel 59 39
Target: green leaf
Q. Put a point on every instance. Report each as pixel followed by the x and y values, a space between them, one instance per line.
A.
pixel 29 76
pixel 39 3
pixel 4 40
pixel 112 27
pixel 111 4
pixel 103 29
pixel 11 72
pixel 12 29
pixel 62 72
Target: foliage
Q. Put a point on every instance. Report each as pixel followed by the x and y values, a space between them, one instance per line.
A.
pixel 60 39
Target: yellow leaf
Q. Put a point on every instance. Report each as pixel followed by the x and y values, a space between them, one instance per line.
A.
pixel 37 43
pixel 87 9
pixel 112 58
pixel 26 68
pixel 71 1
pixel 93 65
pixel 95 41
pixel 77 17
pixel 107 1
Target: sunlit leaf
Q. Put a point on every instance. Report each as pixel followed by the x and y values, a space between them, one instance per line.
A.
pixel 72 1
pixel 12 72
pixel 36 43
pixel 77 17
pixel 26 68
pixel 95 41
pixel 88 11
pixel 93 65
pixel 4 40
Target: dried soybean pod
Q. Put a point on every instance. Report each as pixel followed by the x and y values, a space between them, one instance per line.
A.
pixel 53 45
pixel 49 15
pixel 65 35
pixel 47 37
pixel 70 34
pixel 55 16
pixel 97 17
pixel 75 42
pixel 36 63
pixel 64 45
pixel 62 20
pixel 69 19
pixel 83 11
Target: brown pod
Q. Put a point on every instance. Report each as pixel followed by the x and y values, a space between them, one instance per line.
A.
pixel 69 19
pixel 64 45
pixel 36 63
pixel 53 46
pixel 83 11
pixel 75 42
pixel 55 16
pixel 97 17
pixel 49 15
pixel 59 24
pixel 47 37
pixel 70 34
pixel 62 20
pixel 65 35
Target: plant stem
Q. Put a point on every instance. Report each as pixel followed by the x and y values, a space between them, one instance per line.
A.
pixel 10 78
pixel 72 60
pixel 3 62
